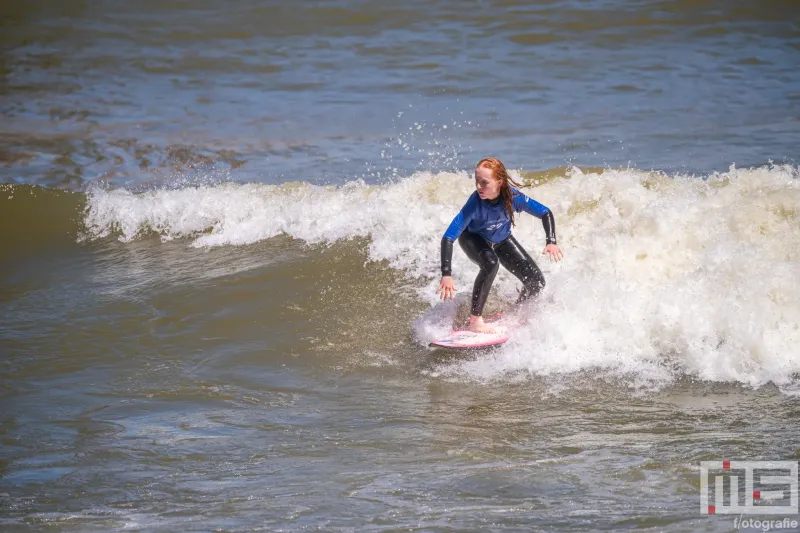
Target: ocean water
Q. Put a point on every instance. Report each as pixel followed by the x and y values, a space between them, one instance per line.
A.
pixel 219 249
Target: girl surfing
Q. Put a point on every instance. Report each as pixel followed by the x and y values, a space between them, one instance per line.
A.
pixel 483 229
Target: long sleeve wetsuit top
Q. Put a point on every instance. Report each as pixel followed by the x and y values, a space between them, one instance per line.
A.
pixel 488 219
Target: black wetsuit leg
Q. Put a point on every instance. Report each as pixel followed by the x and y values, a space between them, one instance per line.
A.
pixel 480 252
pixel 517 261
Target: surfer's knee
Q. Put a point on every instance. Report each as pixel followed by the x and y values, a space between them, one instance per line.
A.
pixel 489 262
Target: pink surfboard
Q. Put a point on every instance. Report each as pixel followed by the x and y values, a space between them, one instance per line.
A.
pixel 465 339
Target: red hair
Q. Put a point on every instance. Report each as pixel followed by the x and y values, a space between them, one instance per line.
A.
pixel 500 174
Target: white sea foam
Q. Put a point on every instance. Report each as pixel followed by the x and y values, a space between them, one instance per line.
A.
pixel 663 275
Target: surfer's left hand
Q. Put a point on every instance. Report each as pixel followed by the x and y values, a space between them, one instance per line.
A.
pixel 554 252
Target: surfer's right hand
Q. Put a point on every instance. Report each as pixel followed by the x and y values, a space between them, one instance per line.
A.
pixel 447 288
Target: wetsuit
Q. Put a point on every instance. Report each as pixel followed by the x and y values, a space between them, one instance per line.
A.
pixel 483 230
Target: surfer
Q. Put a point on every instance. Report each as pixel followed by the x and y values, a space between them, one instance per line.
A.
pixel 483 229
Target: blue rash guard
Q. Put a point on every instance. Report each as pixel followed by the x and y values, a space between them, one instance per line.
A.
pixel 489 220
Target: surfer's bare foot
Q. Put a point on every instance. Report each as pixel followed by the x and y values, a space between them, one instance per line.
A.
pixel 477 325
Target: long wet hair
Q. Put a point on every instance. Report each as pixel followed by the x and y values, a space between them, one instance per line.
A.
pixel 500 173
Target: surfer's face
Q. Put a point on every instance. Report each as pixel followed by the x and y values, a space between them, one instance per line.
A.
pixel 488 188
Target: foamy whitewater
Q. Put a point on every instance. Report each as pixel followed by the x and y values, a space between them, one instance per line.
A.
pixel 664 277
